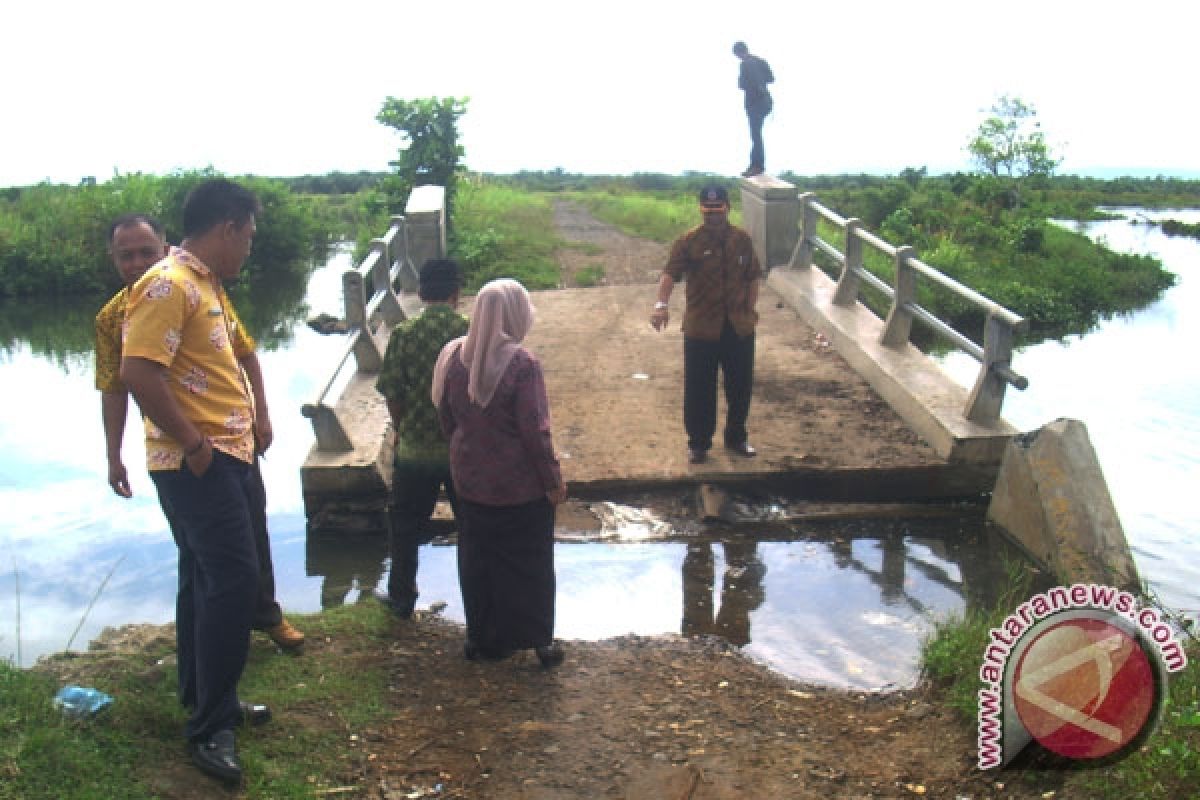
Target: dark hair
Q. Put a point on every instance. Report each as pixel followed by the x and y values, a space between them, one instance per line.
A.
pixel 739 48
pixel 440 279
pixel 135 218
pixel 215 202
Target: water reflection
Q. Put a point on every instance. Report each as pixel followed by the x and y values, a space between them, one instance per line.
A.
pixel 349 569
pixel 741 590
pixel 842 602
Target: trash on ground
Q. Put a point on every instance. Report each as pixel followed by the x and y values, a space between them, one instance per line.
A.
pixel 629 524
pixel 81 702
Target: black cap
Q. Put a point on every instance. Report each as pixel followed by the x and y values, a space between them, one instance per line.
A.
pixel 714 195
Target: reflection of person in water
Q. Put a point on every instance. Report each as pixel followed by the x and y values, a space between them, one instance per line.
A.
pixel 345 566
pixel 741 590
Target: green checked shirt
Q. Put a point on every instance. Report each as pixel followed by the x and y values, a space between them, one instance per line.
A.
pixel 406 377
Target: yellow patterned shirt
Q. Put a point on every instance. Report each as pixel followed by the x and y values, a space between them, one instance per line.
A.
pixel 111 321
pixel 178 316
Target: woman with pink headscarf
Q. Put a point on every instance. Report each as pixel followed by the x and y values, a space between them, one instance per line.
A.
pixel 491 399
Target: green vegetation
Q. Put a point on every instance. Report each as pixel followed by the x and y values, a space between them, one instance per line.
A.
pixel 1164 767
pixel 44 756
pixel 429 126
pixel 501 232
pixel 53 238
pixel 591 275
pixel 1173 227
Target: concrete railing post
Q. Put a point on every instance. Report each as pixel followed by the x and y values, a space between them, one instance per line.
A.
pixel 802 255
pixel 354 299
pixel 426 218
pixel 366 353
pixel 771 215
pixel 987 396
pixel 327 428
pixel 846 293
pixel 381 282
pixel 405 272
pixel 899 320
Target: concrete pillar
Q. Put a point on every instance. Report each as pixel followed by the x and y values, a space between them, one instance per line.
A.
pixel 425 214
pixel 1051 497
pixel 771 214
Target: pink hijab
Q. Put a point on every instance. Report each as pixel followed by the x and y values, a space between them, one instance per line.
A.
pixel 502 316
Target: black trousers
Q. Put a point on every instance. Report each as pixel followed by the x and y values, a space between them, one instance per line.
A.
pixel 267 613
pixel 734 355
pixel 756 115
pixel 506 574
pixel 218 582
pixel 415 490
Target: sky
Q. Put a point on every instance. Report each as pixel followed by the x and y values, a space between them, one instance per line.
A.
pixel 274 88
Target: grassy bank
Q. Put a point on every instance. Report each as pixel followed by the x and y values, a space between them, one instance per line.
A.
pixel 135 748
pixel 1164 767
pixel 502 232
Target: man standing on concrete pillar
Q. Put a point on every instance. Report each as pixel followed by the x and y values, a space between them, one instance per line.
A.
pixel 753 77
pixel 717 259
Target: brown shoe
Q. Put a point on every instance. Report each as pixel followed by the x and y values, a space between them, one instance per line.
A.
pixel 285 635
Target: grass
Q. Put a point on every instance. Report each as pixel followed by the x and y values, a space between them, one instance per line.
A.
pixel 658 216
pixel 1164 767
pixel 122 753
pixel 589 276
pixel 503 232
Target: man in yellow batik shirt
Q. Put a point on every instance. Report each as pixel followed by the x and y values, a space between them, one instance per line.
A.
pixel 182 363
pixel 135 243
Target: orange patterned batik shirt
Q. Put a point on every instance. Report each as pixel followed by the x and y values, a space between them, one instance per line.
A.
pixel 178 316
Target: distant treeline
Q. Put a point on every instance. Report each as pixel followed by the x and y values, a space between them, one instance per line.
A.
pixel 976 228
pixel 969 226
pixel 53 238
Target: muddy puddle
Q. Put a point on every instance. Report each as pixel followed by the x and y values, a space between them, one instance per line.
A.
pixel 837 595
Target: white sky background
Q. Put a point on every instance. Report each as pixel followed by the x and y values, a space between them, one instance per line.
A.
pixel 276 88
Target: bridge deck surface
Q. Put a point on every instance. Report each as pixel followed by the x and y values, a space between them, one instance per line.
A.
pixel 615 389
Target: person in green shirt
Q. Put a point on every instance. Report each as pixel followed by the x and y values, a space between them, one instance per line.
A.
pixel 421 459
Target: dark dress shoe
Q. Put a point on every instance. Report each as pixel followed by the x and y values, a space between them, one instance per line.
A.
pixel 217 757
pixel 550 655
pixel 401 607
pixel 743 449
pixel 696 455
pixel 255 714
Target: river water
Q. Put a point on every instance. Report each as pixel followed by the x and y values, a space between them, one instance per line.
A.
pixel 1136 386
pixel 841 603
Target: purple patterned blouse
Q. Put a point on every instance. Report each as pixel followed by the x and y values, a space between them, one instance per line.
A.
pixel 501 455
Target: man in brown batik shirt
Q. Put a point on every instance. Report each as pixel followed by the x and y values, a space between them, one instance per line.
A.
pixel 722 273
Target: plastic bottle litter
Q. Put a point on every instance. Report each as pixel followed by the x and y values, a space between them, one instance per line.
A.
pixel 81 702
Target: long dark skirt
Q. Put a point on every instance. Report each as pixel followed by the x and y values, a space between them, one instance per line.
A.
pixel 506 573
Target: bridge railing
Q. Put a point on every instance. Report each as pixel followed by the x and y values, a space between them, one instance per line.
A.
pixel 1000 328
pixel 372 304
pixel 370 300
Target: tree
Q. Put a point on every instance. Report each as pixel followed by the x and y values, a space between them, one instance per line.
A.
pixel 1011 147
pixel 430 127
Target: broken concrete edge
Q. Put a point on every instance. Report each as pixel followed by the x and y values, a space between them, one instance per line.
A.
pixel 927 482
pixel 911 383
pixel 1052 501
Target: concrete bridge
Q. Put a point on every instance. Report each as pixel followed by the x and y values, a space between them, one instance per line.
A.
pixel 845 406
